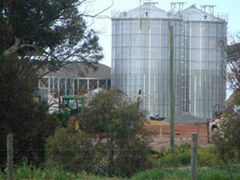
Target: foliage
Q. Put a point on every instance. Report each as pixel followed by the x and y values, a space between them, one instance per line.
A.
pixel 226 139
pixel 20 114
pixel 112 140
pixel 28 172
pixel 119 127
pixel 35 33
pixel 233 57
pixel 184 174
pixel 47 172
pixel 207 156
pixel 72 151
pixel 55 30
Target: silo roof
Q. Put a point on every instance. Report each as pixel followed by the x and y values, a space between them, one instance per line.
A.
pixel 147 10
pixel 194 14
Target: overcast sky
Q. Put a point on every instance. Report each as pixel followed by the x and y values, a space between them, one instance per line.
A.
pixel 103 24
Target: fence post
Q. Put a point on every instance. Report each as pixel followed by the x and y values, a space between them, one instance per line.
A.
pixel 10 156
pixel 160 134
pixel 208 136
pixel 194 156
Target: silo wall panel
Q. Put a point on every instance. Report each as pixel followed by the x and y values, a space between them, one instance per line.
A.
pixel 206 84
pixel 141 61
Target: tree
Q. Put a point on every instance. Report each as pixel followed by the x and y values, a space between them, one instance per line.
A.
pixel 20 114
pixel 33 34
pixel 52 30
pixel 233 70
pixel 119 127
pixel 72 151
pixel 112 139
pixel 226 138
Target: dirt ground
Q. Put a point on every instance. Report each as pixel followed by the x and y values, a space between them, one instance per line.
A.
pixel 183 134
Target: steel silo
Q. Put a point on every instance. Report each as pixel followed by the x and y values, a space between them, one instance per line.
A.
pixel 206 85
pixel 140 56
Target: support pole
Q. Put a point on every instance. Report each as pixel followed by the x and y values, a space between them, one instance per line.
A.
pixel 194 156
pixel 160 134
pixel 171 91
pixel 10 157
pixel 208 136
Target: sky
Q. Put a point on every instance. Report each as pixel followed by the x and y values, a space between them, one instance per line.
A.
pixel 102 24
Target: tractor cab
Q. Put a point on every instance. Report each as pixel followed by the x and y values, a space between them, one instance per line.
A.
pixel 72 103
pixel 67 106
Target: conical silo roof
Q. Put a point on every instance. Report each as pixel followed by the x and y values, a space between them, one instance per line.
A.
pixel 147 10
pixel 194 14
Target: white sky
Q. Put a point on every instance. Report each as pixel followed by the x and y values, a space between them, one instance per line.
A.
pixel 103 24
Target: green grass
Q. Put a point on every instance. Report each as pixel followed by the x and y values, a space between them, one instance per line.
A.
pixel 166 166
pixel 185 174
pixel 26 172
pixel 182 157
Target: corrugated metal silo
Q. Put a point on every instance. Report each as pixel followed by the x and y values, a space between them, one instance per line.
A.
pixel 206 85
pixel 140 57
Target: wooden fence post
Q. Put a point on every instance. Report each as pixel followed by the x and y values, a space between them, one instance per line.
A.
pixel 208 136
pixel 194 156
pixel 160 134
pixel 10 156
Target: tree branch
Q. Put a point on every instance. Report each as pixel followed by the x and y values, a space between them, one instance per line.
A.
pixel 14 48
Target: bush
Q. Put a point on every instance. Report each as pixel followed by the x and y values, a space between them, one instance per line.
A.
pixel 72 151
pixel 180 157
pixel 20 115
pixel 207 156
pixel 119 126
pixel 111 141
pixel 226 139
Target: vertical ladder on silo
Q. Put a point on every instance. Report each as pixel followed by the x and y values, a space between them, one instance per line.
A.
pixel 184 66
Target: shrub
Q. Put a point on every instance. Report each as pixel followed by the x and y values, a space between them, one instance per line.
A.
pixel 112 140
pixel 20 114
pixel 226 139
pixel 207 156
pixel 119 127
pixel 180 157
pixel 72 151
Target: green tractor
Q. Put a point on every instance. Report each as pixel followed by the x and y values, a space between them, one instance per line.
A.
pixel 68 107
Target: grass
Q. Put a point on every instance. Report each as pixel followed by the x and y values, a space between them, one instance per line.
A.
pixel 47 173
pixel 28 172
pixel 166 166
pixel 182 157
pixel 185 174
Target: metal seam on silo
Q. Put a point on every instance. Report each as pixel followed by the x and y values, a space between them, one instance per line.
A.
pixel 123 78
pixel 200 81
pixel 200 75
pixel 149 63
pixel 208 72
pixel 130 59
pixel 160 53
pixel 190 69
pixel 195 95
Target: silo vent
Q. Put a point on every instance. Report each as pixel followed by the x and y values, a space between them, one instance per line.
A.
pixel 150 3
